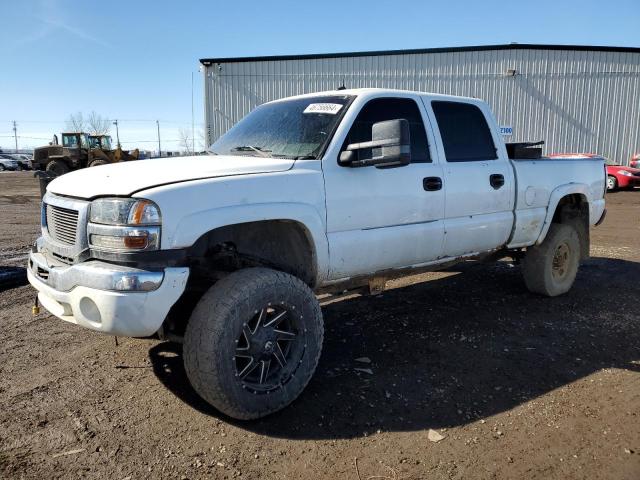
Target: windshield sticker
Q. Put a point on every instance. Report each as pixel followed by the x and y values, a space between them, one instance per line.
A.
pixel 330 108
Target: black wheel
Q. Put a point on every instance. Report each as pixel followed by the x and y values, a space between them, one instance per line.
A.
pixel 551 267
pixel 59 167
pixel 2 168
pixel 253 342
pixel 612 183
pixel 97 163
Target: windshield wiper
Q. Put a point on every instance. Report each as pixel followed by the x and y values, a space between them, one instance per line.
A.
pixel 246 148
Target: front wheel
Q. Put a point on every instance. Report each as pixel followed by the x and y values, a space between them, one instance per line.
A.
pixel 612 183
pixel 98 162
pixel 253 342
pixel 57 167
pixel 550 268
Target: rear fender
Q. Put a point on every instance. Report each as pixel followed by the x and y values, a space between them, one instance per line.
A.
pixel 556 196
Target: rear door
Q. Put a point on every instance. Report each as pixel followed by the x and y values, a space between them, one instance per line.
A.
pixel 478 178
pixel 383 218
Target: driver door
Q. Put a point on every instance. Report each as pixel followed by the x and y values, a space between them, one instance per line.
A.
pixel 384 218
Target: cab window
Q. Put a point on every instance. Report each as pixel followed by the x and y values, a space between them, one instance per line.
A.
pixel 381 109
pixel 465 134
pixel 70 141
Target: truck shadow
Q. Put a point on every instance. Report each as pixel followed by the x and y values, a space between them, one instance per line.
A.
pixel 449 351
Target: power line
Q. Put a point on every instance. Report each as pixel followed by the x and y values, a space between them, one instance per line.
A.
pixel 130 120
pixel 125 141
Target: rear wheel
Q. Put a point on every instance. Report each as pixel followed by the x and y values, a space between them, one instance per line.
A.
pixel 612 183
pixel 550 268
pixel 253 342
pixel 59 167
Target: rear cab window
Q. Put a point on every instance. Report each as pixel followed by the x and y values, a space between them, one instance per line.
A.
pixel 465 134
pixel 381 109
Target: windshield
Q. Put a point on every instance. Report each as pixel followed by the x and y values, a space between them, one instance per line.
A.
pixel 102 142
pixel 70 141
pixel 608 161
pixel 298 129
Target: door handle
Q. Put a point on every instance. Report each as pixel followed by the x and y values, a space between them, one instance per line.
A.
pixel 496 180
pixel 431 184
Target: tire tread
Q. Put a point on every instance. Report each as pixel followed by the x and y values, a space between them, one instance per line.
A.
pixel 537 258
pixel 224 298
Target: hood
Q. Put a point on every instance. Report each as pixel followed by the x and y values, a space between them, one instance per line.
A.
pixel 125 178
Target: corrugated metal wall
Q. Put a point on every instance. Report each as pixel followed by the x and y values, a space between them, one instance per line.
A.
pixel 586 101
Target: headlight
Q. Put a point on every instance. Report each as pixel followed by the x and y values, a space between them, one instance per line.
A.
pixel 124 211
pixel 124 225
pixel 625 173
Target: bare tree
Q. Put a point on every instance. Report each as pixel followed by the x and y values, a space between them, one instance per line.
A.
pixel 184 137
pixel 201 140
pixel 76 122
pixel 98 124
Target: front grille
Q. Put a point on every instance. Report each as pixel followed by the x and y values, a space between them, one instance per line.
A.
pixel 62 224
pixel 637 174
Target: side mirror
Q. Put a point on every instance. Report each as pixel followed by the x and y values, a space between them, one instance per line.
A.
pixel 390 146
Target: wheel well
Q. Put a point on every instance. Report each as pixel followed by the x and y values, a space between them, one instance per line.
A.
pixel 573 210
pixel 283 245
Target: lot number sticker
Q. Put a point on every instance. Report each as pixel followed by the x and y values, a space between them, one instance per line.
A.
pixel 330 108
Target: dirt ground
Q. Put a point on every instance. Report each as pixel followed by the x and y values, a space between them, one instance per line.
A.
pixel 519 386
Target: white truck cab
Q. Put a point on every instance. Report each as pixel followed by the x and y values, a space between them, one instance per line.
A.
pixel 326 192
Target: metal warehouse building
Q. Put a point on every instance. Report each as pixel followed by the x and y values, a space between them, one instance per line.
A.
pixel 576 98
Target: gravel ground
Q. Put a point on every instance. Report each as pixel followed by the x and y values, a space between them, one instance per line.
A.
pixel 518 386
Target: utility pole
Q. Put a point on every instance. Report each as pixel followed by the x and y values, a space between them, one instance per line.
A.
pixel 159 149
pixel 115 122
pixel 15 134
pixel 193 127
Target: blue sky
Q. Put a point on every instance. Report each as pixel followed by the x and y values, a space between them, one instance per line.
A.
pixel 132 60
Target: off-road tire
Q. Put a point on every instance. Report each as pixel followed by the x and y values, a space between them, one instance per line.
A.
pixel 97 163
pixel 218 320
pixel 540 268
pixel 612 183
pixel 59 167
pixel 2 168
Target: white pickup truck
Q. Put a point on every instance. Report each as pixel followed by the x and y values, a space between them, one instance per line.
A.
pixel 325 193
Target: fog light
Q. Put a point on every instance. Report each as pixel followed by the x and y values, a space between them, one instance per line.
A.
pixel 90 310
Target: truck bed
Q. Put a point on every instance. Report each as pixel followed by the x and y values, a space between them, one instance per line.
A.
pixel 537 188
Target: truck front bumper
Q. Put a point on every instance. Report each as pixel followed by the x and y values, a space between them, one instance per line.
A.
pixel 108 298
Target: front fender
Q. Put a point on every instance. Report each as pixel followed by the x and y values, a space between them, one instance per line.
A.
pixel 191 227
pixel 558 194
